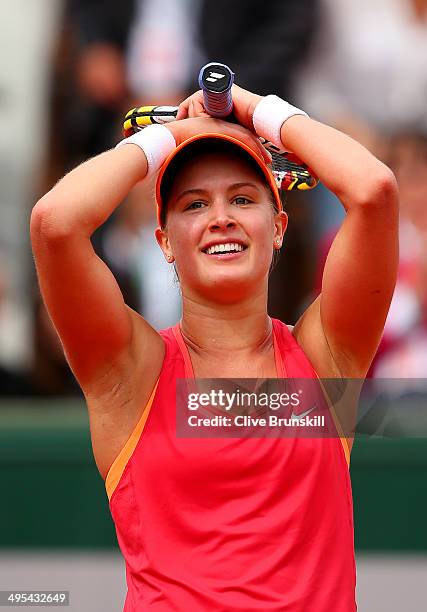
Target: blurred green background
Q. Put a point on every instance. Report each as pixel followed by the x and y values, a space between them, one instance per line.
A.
pixel 54 497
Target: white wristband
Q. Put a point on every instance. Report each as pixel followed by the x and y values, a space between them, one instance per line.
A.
pixel 156 141
pixel 270 114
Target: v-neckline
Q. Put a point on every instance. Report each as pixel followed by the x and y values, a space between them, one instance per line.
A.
pixel 188 365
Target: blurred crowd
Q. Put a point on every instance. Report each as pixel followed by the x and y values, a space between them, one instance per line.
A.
pixel 71 69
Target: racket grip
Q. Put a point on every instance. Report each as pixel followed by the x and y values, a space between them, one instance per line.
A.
pixel 216 80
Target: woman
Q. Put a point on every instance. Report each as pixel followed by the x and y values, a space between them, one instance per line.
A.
pixel 221 524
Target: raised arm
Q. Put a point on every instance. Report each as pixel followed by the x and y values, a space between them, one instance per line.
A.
pixel 81 294
pixel 107 344
pixel 341 330
pixel 348 317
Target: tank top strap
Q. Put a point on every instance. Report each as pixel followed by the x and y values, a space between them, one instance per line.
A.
pixel 295 363
pixel 182 348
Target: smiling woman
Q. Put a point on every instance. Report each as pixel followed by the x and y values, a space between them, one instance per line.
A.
pixel 237 524
pixel 218 202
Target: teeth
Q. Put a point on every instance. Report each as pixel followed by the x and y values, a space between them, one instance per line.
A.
pixel 225 248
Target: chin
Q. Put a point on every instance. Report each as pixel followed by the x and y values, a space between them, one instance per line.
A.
pixel 229 288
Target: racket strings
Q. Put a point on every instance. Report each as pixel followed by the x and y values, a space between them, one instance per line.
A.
pixel 290 174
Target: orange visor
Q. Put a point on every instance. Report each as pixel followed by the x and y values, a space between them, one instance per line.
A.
pixel 214 136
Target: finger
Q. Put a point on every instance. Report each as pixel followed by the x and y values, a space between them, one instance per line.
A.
pixel 182 113
pixel 183 110
pixel 266 154
pixel 191 111
pixel 200 108
pixel 198 97
pixel 196 108
pixel 263 153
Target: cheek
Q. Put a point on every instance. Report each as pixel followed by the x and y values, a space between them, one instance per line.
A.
pixel 263 235
pixel 184 241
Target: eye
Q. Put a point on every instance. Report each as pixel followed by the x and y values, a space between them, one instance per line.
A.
pixel 241 200
pixel 194 205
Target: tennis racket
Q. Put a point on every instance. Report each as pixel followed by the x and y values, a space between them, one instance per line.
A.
pixel 216 81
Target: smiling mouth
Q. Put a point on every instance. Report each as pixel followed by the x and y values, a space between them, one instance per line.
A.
pixel 231 248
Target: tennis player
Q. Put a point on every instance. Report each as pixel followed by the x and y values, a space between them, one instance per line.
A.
pixel 238 524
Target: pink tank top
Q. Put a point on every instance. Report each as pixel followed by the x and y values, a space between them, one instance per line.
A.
pixel 237 524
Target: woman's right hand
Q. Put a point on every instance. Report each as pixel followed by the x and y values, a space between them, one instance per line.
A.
pixel 186 128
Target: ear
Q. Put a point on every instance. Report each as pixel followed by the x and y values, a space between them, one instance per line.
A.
pixel 163 242
pixel 280 225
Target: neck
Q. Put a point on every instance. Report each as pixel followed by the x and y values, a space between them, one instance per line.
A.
pixel 215 328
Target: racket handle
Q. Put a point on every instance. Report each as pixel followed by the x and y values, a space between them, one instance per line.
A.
pixel 215 80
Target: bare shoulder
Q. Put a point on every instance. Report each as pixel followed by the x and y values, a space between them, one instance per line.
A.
pixel 119 396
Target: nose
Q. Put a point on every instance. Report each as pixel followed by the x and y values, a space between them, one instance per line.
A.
pixel 221 217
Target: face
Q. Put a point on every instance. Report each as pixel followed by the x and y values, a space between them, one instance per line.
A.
pixel 221 229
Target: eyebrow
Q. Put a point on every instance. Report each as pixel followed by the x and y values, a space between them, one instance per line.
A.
pixel 206 193
pixel 191 192
pixel 243 184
